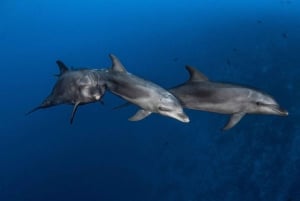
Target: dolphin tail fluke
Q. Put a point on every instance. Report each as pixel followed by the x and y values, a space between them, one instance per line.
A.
pixel 234 119
pixel 141 114
pixel 75 108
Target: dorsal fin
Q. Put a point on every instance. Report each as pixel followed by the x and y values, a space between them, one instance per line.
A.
pixel 62 67
pixel 116 64
pixel 195 75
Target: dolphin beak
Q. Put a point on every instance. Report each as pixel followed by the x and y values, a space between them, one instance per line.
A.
pixel 278 110
pixel 182 117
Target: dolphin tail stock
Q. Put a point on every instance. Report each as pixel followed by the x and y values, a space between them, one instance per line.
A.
pixel 33 110
pixel 45 104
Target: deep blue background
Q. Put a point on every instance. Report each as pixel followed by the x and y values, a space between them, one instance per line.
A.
pixel 105 157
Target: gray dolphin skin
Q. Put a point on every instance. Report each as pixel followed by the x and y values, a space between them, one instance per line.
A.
pixel 199 93
pixel 150 97
pixel 75 87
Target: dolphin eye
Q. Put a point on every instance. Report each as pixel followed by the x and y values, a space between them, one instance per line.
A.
pixel 258 103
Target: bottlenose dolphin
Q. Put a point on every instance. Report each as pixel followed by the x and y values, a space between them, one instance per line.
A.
pixel 147 95
pixel 75 87
pixel 199 93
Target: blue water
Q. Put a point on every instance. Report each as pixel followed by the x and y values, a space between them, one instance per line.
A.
pixel 104 157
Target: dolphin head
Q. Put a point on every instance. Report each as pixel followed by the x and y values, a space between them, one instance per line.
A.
pixel 170 106
pixel 262 103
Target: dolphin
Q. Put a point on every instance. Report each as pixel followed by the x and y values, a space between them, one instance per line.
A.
pixel 199 93
pixel 75 87
pixel 150 97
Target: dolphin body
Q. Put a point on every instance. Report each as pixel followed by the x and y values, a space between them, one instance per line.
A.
pixel 199 93
pixel 75 87
pixel 150 97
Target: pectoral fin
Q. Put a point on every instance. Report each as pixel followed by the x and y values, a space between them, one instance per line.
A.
pixel 141 114
pixel 234 119
pixel 74 112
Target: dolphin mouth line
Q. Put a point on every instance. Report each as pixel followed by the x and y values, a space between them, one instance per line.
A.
pixel 278 110
pixel 183 118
